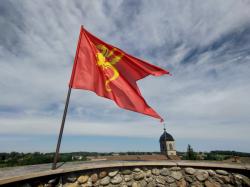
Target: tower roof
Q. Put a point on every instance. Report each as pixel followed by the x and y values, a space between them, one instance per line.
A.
pixel 169 137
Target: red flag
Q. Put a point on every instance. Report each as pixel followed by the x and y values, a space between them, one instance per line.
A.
pixel 110 72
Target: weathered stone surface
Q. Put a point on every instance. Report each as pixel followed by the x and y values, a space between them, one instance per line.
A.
pixel 113 173
pixel 94 177
pixel 173 185
pixel 160 185
pixel 155 171
pixel 135 184
pixel 176 175
pixel 196 184
pixel 237 179
pixel 126 172
pixel 169 179
pixel 128 178
pixel 221 172
pixel 150 179
pixel 225 179
pixel 245 180
pixel 129 183
pixel 151 184
pixel 148 173
pixel 181 183
pixel 71 185
pixel 71 179
pixel 53 181
pixel 82 179
pixel 211 172
pixel 97 183
pixel 116 180
pixel 175 168
pixel 216 178
pixel 145 169
pixel 231 177
pixel 45 185
pixel 137 170
pixel 190 171
pixel 228 185
pixel 84 185
pixel 164 172
pixel 103 174
pixel 238 183
pixel 147 177
pixel 212 184
pixel 124 185
pixel 87 184
pixel 143 183
pixel 139 176
pixel 201 175
pixel 105 181
pixel 189 179
pixel 160 180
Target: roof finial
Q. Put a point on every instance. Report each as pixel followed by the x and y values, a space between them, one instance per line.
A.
pixel 164 127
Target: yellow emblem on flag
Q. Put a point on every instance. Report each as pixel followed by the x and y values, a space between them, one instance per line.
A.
pixel 107 60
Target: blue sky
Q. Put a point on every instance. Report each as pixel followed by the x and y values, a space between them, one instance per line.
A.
pixel 205 45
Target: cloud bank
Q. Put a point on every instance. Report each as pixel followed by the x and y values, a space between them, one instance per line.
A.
pixel 204 45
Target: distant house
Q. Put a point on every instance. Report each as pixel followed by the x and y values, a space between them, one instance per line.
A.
pixel 77 157
pixel 200 156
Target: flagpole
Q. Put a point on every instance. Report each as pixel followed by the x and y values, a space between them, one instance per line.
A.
pixel 165 139
pixel 56 157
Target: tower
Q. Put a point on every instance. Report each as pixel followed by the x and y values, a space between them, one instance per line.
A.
pixel 167 144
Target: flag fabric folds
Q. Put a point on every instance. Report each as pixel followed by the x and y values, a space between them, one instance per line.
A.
pixel 111 73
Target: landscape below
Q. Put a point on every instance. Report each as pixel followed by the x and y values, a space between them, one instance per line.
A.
pixel 20 159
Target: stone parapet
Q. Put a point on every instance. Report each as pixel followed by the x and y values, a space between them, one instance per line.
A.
pixel 129 173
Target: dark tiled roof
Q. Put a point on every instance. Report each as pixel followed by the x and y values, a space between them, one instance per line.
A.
pixel 169 137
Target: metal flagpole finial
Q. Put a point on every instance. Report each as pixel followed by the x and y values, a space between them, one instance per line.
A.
pixel 164 126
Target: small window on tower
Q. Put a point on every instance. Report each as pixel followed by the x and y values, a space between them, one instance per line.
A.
pixel 170 146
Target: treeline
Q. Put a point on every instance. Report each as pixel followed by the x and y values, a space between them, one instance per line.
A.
pixel 218 155
pixel 111 153
pixel 138 153
pixel 231 153
pixel 20 159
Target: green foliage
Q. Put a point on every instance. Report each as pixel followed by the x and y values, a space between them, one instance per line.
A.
pixel 223 155
pixel 213 156
pixel 190 154
pixel 19 159
pixel 231 153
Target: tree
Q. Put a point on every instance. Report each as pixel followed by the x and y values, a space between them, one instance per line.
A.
pixel 190 155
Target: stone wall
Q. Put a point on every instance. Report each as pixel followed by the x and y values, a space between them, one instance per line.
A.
pixel 148 176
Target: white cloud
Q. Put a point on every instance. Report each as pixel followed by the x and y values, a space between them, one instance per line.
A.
pixel 205 46
pixel 179 128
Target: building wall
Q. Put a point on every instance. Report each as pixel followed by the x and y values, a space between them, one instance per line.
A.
pixel 171 150
pixel 168 148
